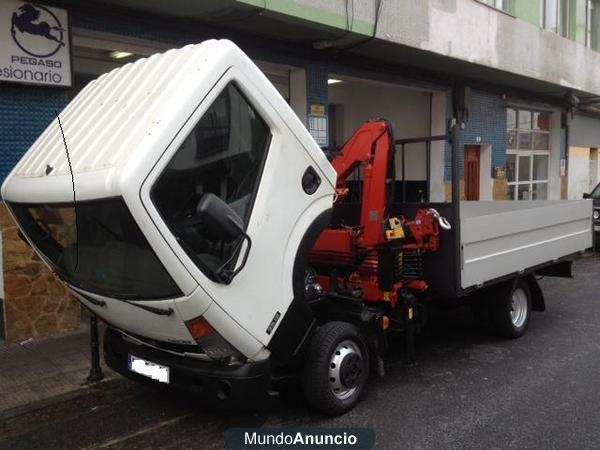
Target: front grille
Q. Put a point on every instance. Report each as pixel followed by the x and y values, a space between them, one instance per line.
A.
pixel 166 346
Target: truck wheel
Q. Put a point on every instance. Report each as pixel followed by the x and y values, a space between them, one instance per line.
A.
pixel 336 368
pixel 511 312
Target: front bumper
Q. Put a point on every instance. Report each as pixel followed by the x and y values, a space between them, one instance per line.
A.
pixel 238 385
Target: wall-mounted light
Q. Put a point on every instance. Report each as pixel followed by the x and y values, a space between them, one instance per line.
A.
pixel 334 81
pixel 117 54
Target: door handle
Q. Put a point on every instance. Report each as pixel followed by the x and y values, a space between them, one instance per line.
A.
pixel 310 180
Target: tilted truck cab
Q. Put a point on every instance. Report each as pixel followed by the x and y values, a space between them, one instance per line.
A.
pixel 145 143
pixel 185 204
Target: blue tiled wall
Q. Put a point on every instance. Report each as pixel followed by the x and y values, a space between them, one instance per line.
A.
pixel 25 112
pixel 316 85
pixel 487 120
pixel 136 29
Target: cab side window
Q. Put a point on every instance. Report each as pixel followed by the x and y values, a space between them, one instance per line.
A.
pixel 223 155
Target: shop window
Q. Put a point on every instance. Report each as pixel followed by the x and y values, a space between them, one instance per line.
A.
pixel 224 155
pixel 528 154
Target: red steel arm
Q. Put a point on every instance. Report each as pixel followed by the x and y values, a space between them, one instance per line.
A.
pixel 372 145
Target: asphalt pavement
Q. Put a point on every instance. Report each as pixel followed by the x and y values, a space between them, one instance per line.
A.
pixel 467 390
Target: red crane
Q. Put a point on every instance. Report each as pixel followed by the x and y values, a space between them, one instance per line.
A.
pixel 379 257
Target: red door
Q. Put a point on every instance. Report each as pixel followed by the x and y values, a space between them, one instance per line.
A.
pixel 471 172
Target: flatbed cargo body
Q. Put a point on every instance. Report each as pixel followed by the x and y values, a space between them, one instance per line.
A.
pixel 504 237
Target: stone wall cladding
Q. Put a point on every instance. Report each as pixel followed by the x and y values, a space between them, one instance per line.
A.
pixel 36 303
pixel 564 188
pixel 448 185
pixel 500 189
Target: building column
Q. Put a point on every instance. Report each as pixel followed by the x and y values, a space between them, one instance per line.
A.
pixel 554 179
pixel 579 172
pixel 298 96
pixel 438 127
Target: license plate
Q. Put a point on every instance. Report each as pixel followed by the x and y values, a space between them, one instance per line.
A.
pixel 596 227
pixel 148 369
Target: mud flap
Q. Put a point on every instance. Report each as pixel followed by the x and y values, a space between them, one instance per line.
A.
pixel 538 303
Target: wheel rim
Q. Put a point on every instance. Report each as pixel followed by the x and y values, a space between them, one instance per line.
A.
pixel 345 369
pixel 518 307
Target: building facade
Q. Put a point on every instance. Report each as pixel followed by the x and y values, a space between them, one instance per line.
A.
pixel 523 71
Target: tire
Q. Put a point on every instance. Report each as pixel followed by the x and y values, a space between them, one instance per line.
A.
pixel 510 314
pixel 336 368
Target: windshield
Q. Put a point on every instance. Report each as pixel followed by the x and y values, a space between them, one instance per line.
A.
pixel 99 249
pixel 596 192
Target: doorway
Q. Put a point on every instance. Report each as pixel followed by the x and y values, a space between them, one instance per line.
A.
pixel 472 170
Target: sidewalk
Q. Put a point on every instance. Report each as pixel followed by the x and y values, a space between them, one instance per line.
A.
pixel 37 370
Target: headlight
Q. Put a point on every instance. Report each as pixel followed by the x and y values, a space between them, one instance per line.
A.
pixel 596 214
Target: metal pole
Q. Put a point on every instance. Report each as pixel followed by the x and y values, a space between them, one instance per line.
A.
pixel 403 176
pixel 95 370
pixel 428 164
pixel 456 203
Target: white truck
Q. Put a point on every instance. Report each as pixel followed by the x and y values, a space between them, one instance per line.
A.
pixel 184 203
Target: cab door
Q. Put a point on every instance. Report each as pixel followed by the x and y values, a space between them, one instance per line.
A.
pixel 245 145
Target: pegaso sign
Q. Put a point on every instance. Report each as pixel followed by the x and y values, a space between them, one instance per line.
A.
pixel 34 44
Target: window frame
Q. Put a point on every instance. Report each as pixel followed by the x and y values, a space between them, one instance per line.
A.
pixel 504 6
pixel 589 23
pixel 234 257
pixel 526 153
pixel 557 11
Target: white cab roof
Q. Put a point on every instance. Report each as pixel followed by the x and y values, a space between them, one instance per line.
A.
pixel 128 115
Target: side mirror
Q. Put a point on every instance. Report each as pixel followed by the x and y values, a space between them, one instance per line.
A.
pixel 220 221
pixel 587 195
